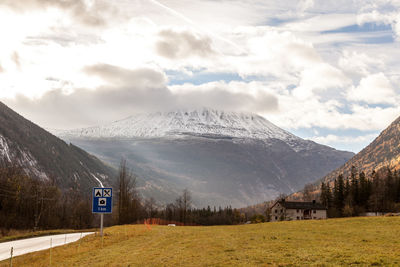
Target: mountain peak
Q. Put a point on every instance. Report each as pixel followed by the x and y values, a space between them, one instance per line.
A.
pixel 187 122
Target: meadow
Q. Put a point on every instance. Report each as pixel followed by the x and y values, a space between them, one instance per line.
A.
pixel 360 241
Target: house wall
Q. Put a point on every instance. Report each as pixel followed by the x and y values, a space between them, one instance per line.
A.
pixel 278 212
pixel 293 214
pixel 321 214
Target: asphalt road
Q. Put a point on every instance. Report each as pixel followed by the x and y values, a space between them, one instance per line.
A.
pixel 24 246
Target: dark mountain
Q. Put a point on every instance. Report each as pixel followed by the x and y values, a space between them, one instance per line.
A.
pixel 383 152
pixel 224 158
pixel 44 156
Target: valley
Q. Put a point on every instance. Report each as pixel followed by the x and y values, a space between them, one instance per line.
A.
pixel 223 158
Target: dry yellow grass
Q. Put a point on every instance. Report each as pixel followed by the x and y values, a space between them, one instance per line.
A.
pixel 353 241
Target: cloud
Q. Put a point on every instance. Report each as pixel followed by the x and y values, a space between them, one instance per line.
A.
pixel 275 58
pixel 360 64
pixel 175 45
pixel 331 139
pixel 120 77
pixel 251 97
pixel 85 107
pixel 92 13
pixel 131 91
pixel 331 114
pixel 355 143
pixel 304 5
pixel 374 89
pixel 391 18
pixel 15 58
pixel 319 78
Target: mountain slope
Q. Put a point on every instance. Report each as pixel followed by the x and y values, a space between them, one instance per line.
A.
pixel 222 157
pixel 384 151
pixel 44 156
pixel 201 122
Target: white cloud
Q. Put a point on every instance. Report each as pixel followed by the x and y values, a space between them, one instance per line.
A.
pixel 322 22
pixel 75 50
pixel 380 15
pixel 374 89
pixel 354 143
pixel 319 78
pixel 175 45
pixel 360 64
pixel 331 139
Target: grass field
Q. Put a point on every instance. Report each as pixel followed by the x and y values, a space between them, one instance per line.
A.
pixel 353 241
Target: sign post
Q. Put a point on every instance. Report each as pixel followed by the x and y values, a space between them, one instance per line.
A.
pixel 102 203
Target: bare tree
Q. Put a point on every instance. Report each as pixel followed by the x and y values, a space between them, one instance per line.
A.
pixel 128 199
pixel 186 203
pixel 308 192
pixel 150 207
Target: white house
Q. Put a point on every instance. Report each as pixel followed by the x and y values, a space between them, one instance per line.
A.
pixel 288 210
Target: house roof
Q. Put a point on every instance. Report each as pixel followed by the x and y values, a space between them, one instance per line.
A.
pixel 300 205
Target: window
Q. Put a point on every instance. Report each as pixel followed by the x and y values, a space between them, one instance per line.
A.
pixel 298 218
pixel 281 210
pixel 314 211
pixel 276 211
pixel 297 211
pixel 276 218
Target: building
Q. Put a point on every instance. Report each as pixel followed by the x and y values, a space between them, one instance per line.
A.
pixel 287 210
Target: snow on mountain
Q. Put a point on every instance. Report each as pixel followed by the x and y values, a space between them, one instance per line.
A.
pixel 44 156
pixel 224 158
pixel 207 122
pixel 21 158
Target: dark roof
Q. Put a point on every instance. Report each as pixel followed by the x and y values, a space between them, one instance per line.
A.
pixel 301 205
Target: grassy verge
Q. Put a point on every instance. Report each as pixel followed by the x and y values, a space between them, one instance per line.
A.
pixel 335 242
pixel 22 234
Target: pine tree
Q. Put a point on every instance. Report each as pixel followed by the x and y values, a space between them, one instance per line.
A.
pixel 355 191
pixel 339 194
pixel 326 195
pixel 363 191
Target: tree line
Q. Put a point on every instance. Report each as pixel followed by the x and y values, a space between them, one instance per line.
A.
pixel 30 203
pixel 132 209
pixel 27 203
pixel 357 194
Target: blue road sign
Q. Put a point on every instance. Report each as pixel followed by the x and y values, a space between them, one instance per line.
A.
pixel 102 200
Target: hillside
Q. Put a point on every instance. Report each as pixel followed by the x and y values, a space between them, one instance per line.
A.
pixel 223 158
pixel 334 242
pixel 44 156
pixel 384 151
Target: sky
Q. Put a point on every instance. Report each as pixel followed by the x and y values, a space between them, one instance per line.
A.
pixel 324 70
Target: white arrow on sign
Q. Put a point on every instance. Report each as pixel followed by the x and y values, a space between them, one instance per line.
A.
pixel 98 193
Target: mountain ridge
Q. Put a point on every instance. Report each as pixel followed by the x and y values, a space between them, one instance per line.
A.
pixel 382 152
pixel 45 156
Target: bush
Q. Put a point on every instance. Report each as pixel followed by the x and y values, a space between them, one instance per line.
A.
pixel 257 218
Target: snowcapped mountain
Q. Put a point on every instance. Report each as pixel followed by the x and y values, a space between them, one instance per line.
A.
pixel 201 122
pixel 224 158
